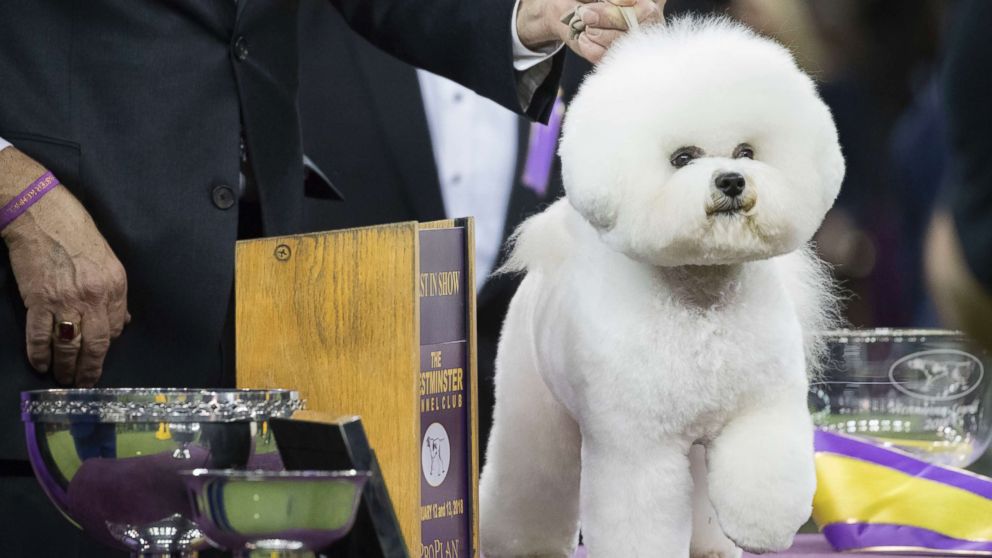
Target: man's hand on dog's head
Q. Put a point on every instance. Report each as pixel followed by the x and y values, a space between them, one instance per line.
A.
pixel 590 32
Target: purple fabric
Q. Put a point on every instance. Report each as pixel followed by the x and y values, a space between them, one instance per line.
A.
pixel 135 490
pixel 21 202
pixel 541 150
pixel 864 450
pixel 807 546
pixel 861 535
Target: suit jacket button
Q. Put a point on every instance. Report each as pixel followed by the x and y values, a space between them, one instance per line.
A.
pixel 241 48
pixel 223 197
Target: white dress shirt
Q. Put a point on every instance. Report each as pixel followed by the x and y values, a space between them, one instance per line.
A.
pixel 475 151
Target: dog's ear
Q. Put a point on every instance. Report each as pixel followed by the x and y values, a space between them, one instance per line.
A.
pixel 590 186
pixel 831 162
pixel 599 205
pixel 593 154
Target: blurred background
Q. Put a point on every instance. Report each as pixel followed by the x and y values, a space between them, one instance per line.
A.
pixel 878 66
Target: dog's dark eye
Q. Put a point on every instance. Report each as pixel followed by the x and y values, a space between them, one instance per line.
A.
pixel 685 155
pixel 744 151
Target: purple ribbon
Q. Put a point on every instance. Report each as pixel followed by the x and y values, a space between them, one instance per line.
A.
pixel 853 536
pixel 21 202
pixel 858 535
pixel 871 452
pixel 541 150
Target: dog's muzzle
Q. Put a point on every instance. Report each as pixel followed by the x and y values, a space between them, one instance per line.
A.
pixel 729 195
pixel 730 184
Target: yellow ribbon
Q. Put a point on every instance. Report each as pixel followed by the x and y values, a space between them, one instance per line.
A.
pixel 855 491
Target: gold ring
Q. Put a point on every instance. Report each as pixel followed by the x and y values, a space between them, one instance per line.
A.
pixel 66 331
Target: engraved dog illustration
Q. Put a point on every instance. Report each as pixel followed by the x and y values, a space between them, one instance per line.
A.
pixel 957 373
pixel 437 462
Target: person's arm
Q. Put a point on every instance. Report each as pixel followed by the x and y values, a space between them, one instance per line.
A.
pixel 471 42
pixel 65 271
pixel 962 302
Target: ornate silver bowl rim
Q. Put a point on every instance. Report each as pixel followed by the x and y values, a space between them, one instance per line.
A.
pixel 157 405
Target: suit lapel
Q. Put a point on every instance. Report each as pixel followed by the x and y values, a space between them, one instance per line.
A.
pixel 395 92
pixel 240 10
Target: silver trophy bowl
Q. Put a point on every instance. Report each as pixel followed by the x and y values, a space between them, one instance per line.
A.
pixel 109 458
pixel 274 513
pixel 922 391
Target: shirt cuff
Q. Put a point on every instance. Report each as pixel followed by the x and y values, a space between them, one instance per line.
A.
pixel 525 58
pixel 4 144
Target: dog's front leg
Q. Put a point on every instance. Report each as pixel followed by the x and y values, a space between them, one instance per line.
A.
pixel 761 474
pixel 708 538
pixel 636 496
pixel 529 491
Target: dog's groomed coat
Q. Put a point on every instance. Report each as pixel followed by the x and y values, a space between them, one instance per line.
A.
pixel 652 373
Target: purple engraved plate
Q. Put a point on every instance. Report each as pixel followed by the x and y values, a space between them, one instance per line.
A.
pixel 445 429
pixel 442 286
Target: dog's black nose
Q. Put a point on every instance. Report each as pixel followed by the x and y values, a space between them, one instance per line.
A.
pixel 730 183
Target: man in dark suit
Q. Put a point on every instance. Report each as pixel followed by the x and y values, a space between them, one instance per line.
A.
pixel 173 129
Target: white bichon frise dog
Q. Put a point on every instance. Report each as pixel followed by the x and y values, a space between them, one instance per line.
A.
pixel 652 373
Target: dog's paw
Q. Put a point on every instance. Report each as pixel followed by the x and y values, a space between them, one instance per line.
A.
pixel 759 533
pixel 712 544
pixel 758 538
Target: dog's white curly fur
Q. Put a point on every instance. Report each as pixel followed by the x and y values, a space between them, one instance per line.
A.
pixel 651 375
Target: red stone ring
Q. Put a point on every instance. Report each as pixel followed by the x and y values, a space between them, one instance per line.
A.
pixel 66 331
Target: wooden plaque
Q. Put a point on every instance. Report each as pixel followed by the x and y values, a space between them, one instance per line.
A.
pixel 378 322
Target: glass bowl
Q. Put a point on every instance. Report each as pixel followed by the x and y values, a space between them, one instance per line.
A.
pixel 922 391
pixel 289 513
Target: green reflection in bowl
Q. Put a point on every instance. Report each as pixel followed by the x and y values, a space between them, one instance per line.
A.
pixel 273 506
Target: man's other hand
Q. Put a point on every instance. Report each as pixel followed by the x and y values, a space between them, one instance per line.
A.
pixel 66 272
pixel 540 23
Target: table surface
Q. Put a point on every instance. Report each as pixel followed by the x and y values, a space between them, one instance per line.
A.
pixel 806 546
pixel 815 546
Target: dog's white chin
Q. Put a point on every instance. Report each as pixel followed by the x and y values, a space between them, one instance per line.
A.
pixel 719 239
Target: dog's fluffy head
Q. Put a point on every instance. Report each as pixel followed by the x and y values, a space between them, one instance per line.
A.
pixel 700 143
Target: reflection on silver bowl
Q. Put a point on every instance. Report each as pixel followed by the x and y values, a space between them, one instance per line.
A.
pixel 108 458
pixel 923 391
pixel 285 512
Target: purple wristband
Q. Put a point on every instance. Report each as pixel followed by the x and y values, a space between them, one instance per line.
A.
pixel 17 206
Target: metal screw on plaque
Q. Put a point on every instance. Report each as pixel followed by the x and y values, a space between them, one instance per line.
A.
pixel 283 252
